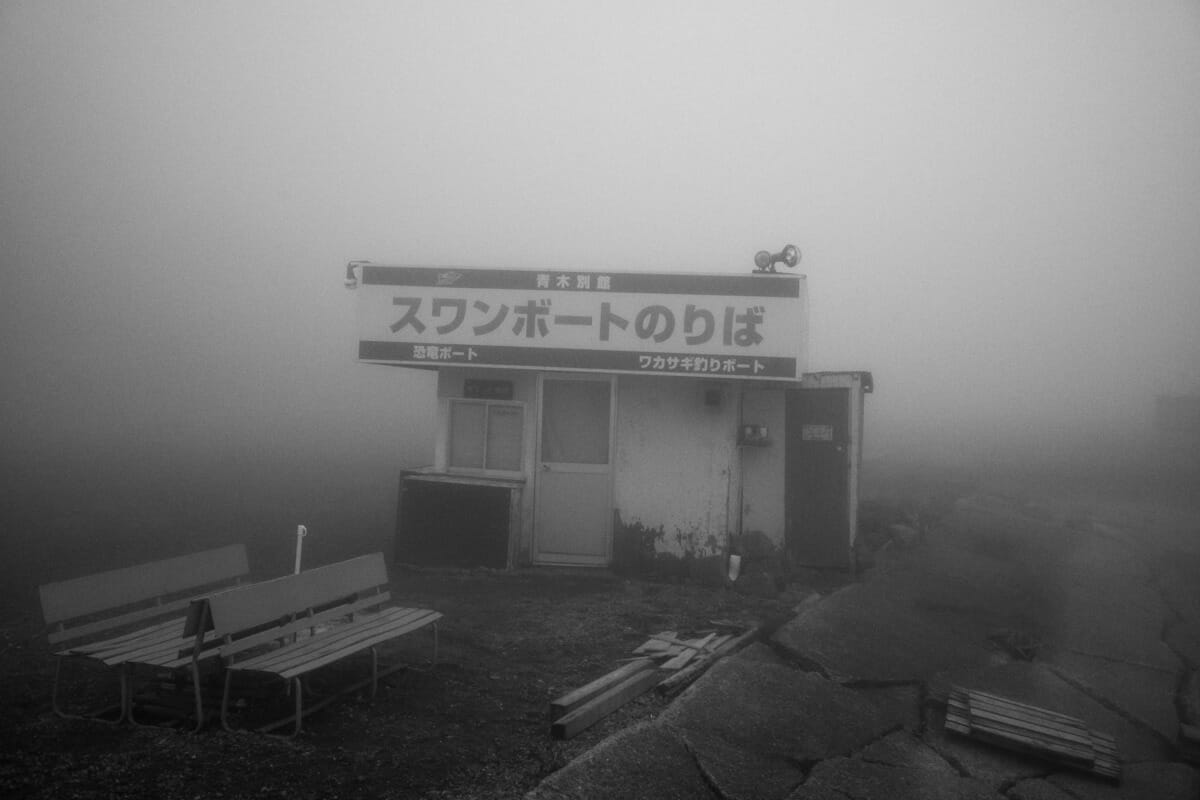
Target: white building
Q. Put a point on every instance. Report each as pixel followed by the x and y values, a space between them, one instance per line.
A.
pixel 617 419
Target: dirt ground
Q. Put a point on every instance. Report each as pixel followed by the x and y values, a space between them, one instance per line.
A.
pixel 475 726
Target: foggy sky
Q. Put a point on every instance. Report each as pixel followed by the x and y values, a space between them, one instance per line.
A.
pixel 998 204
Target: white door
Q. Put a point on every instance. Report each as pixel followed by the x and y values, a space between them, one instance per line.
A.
pixel 573 501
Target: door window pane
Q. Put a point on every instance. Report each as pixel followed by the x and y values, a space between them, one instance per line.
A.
pixel 575 421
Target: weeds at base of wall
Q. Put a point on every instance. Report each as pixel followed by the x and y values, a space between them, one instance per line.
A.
pixel 764 568
pixel 635 548
pixel 636 553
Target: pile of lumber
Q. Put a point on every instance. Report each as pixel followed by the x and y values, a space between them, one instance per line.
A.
pixel 665 660
pixel 1030 729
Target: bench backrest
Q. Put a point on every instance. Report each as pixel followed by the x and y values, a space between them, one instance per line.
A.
pixel 256 605
pixel 116 593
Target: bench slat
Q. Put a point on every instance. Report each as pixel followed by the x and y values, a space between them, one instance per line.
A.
pixel 159 651
pixel 246 607
pixel 341 637
pixel 133 649
pixel 300 625
pixel 134 616
pixel 104 591
pixel 291 626
pixel 112 623
pixel 115 642
pixel 304 657
pixel 359 646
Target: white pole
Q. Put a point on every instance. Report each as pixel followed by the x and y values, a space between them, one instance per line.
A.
pixel 301 532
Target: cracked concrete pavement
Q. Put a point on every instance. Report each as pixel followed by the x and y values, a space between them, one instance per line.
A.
pixel 847 699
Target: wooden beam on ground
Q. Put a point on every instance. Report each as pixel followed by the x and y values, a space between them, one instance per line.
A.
pixel 573 699
pixel 672 641
pixel 599 707
pixel 657 643
pixel 701 646
pixel 679 680
pixel 1031 729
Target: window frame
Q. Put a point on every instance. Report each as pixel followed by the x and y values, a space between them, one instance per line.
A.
pixel 484 471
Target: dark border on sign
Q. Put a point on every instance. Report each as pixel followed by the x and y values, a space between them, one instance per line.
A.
pixel 461 355
pixel 762 285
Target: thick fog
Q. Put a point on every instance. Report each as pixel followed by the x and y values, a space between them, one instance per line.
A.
pixel 997 206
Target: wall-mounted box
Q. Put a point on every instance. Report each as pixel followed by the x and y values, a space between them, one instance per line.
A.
pixel 753 435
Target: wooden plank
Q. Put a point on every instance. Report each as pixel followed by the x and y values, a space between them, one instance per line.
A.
pixel 995 701
pixel 706 644
pixel 978 699
pixel 1107 762
pixel 577 697
pixel 148 650
pixel 339 642
pixel 147 615
pixel 1076 734
pixel 656 643
pixel 674 642
pixel 339 638
pixel 601 706
pixel 1064 735
pixel 1021 737
pixel 1021 713
pixel 720 640
pixel 957 716
pixel 679 680
pixel 104 591
pixel 1033 730
pixel 286 627
pixel 678 661
pixel 1025 726
pixel 1035 749
pixel 119 640
pixel 246 607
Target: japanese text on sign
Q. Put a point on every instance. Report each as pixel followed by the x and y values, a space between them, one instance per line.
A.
pixel 747 326
pixel 534 318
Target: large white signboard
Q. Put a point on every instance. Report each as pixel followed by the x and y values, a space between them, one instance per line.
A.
pixel 732 326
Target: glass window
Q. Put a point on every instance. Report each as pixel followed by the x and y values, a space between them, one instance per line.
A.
pixel 575 421
pixel 504 427
pixel 486 435
pixel 467 422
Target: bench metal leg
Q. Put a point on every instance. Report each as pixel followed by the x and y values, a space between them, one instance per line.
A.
pixel 197 700
pixel 299 706
pixel 294 686
pixel 225 701
pixel 197 697
pixel 121 707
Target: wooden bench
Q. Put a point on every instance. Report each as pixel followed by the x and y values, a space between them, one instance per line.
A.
pixel 135 617
pixel 291 626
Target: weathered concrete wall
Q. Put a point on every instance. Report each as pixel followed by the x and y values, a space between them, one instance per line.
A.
pixel 680 480
pixel 675 481
pixel 763 466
